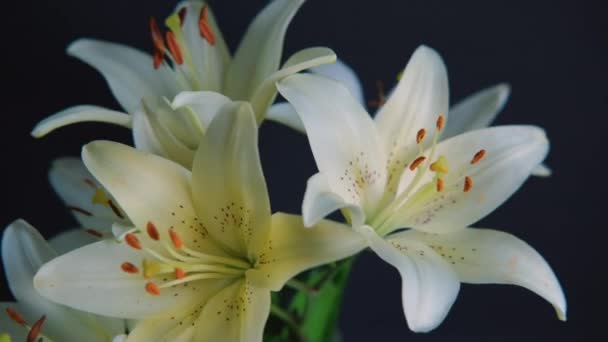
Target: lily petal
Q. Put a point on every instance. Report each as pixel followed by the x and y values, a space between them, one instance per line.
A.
pixel 70 240
pixel 210 61
pixel 542 170
pixel 230 194
pixel 341 72
pixel 342 136
pixel 266 92
pixel 477 110
pixel 320 201
pixel 420 97
pixel 144 137
pixel 82 113
pixel 295 249
pixel 511 154
pixel 285 114
pixel 259 53
pixel 485 256
pixel 149 189
pixel 236 314
pixel 204 104
pixel 84 196
pixel 128 71
pixel 430 285
pixel 72 278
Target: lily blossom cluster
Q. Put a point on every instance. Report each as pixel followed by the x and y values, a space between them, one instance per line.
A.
pixel 176 240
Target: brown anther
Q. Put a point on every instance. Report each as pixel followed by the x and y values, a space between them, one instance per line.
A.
pixel 468 184
pixel 129 268
pixel 15 316
pixel 159 57
pixel 204 27
pixel 381 100
pixel 439 185
pixel 152 231
pixel 179 273
pixel 115 209
pixel 417 162
pixel 177 240
pixel 182 15
pixel 420 135
pixel 152 289
pixel 440 122
pixel 35 330
pixel 90 183
pixel 157 36
pixel 176 52
pixel 80 210
pixel 132 241
pixel 478 156
pixel 94 232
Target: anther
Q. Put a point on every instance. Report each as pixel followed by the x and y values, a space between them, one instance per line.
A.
pixel 152 231
pixel 468 184
pixel 179 273
pixel 15 316
pixel 439 185
pixel 157 37
pixel 132 241
pixel 420 135
pixel 35 330
pixel 158 59
pixel 440 165
pixel 478 156
pixel 417 162
pixel 177 240
pixel 174 48
pixel 182 15
pixel 440 122
pixel 94 232
pixel 129 268
pixel 152 289
pixel 204 27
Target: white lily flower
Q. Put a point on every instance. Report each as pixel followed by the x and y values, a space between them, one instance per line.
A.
pixel 24 251
pixel 200 65
pixel 392 173
pixel 207 253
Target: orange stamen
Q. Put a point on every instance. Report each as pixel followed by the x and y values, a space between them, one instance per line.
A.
pixel 182 15
pixel 152 231
pixel 157 37
pixel 35 331
pixel 132 241
pixel 158 59
pixel 439 185
pixel 177 240
pixel 440 122
pixel 15 316
pixel 179 273
pixel 152 289
pixel 129 268
pixel 468 184
pixel 417 162
pixel 174 48
pixel 204 27
pixel 94 232
pixel 478 156
pixel 420 135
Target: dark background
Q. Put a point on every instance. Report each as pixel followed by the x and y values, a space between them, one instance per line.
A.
pixel 553 53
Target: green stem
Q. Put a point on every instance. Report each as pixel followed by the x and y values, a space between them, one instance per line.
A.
pixel 301 286
pixel 287 318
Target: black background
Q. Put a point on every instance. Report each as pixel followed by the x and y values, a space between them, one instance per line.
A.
pixel 553 53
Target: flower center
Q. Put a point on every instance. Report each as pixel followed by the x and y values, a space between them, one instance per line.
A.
pixel 422 190
pixel 169 262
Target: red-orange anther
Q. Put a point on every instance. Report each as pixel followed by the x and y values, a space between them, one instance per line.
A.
pixel 35 330
pixel 157 36
pixel 177 240
pixel 152 289
pixel 417 162
pixel 179 273
pixel 439 185
pixel 468 184
pixel 94 232
pixel 478 156
pixel 129 267
pixel 158 58
pixel 132 241
pixel 182 15
pixel 420 135
pixel 204 27
pixel 15 316
pixel 440 122
pixel 176 52
pixel 152 231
